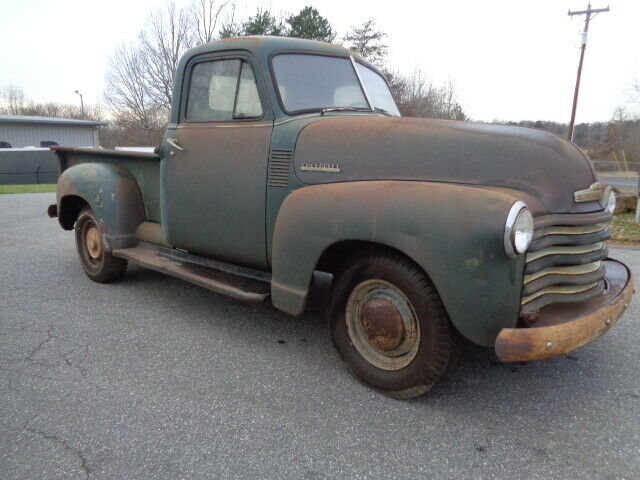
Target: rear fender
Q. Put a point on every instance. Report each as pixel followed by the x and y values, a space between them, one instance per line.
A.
pixel 453 232
pixel 113 195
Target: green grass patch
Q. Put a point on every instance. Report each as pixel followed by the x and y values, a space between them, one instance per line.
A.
pixel 624 228
pixel 40 188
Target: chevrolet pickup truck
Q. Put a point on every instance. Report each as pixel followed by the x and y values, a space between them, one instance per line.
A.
pixel 284 157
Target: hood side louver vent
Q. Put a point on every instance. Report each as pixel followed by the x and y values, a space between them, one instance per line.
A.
pixel 279 165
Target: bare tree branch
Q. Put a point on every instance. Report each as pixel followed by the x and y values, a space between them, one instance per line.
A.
pixel 168 37
pixel 418 97
pixel 14 98
pixel 206 14
pixel 126 93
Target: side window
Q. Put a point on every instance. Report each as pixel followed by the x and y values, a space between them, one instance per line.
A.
pixel 222 90
pixel 248 103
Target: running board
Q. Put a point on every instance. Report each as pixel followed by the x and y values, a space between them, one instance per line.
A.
pixel 239 286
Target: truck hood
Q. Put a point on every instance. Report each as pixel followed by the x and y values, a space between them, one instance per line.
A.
pixel 541 164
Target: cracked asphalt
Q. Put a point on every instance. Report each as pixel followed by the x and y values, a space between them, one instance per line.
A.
pixel 152 377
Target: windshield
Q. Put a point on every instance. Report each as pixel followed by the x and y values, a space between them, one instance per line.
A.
pixel 377 90
pixel 314 82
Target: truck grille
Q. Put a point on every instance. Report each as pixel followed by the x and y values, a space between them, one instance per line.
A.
pixel 564 261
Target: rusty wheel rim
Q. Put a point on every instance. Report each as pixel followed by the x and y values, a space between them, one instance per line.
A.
pixel 382 324
pixel 93 243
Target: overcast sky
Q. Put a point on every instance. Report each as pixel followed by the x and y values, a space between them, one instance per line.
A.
pixel 510 60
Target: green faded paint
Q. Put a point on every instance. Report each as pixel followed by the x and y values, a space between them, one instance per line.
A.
pixel 113 195
pixel 437 191
pixel 142 167
pixel 415 218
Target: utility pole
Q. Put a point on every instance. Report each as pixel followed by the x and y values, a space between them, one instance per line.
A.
pixel 588 16
pixel 81 103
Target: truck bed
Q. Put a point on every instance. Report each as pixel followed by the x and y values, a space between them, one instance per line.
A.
pixel 143 166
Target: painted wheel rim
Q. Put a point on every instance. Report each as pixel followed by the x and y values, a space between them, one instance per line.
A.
pixel 382 324
pixel 93 243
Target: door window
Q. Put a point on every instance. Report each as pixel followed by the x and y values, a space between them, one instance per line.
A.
pixel 222 90
pixel 248 103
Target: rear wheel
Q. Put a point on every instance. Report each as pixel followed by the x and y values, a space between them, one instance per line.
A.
pixel 97 262
pixel 389 325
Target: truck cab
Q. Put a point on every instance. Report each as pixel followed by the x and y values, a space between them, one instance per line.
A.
pixel 284 156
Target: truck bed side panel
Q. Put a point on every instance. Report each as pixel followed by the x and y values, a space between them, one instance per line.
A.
pixel 144 167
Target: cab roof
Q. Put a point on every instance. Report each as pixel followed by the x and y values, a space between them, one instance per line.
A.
pixel 263 45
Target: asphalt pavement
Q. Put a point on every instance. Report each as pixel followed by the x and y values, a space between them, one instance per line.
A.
pixel 153 377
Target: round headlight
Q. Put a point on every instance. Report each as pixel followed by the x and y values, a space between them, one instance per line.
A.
pixel 518 230
pixel 610 202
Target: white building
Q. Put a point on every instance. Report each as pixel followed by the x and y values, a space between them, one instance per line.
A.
pixel 18 131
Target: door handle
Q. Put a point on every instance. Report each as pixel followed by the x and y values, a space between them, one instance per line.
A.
pixel 174 143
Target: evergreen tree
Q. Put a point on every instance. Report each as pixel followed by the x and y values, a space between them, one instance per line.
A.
pixel 263 23
pixel 368 42
pixel 308 23
pixel 229 30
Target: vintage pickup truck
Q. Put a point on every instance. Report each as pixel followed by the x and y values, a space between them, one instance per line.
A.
pixel 283 157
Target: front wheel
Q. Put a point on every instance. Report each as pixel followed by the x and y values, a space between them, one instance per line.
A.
pixel 99 265
pixel 389 325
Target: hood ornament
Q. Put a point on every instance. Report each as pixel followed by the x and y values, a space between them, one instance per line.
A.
pixel 595 192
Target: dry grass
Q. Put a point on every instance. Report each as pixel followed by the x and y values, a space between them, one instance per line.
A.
pixel 40 188
pixel 624 228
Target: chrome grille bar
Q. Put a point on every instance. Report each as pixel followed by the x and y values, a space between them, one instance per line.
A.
pixel 564 261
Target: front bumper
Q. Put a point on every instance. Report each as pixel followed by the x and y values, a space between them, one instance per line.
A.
pixel 562 327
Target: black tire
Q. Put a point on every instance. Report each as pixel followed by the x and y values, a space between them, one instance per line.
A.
pixel 99 265
pixel 437 340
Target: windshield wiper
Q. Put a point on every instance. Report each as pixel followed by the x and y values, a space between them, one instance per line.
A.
pixel 382 111
pixel 356 109
pixel 343 109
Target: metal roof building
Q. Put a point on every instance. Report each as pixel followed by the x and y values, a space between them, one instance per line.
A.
pixel 25 131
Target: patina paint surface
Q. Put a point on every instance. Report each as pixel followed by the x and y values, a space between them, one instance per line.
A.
pixel 480 287
pixel 113 195
pixel 214 191
pixel 142 167
pixel 383 148
pixel 437 191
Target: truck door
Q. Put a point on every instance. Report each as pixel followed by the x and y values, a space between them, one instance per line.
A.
pixel 216 171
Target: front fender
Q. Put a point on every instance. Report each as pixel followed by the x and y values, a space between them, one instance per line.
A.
pixel 454 232
pixel 113 195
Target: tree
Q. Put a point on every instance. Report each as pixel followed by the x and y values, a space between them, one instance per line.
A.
pixel 61 110
pixel 13 97
pixel 206 14
pixel 263 23
pixel 448 105
pixel 140 76
pixel 17 103
pixel 308 23
pixel 169 35
pixel 368 42
pixel 418 97
pixel 127 94
pixel 230 28
pixel 117 134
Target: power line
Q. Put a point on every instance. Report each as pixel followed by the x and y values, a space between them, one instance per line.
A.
pixel 589 13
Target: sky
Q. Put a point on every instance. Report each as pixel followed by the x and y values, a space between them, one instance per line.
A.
pixel 509 59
